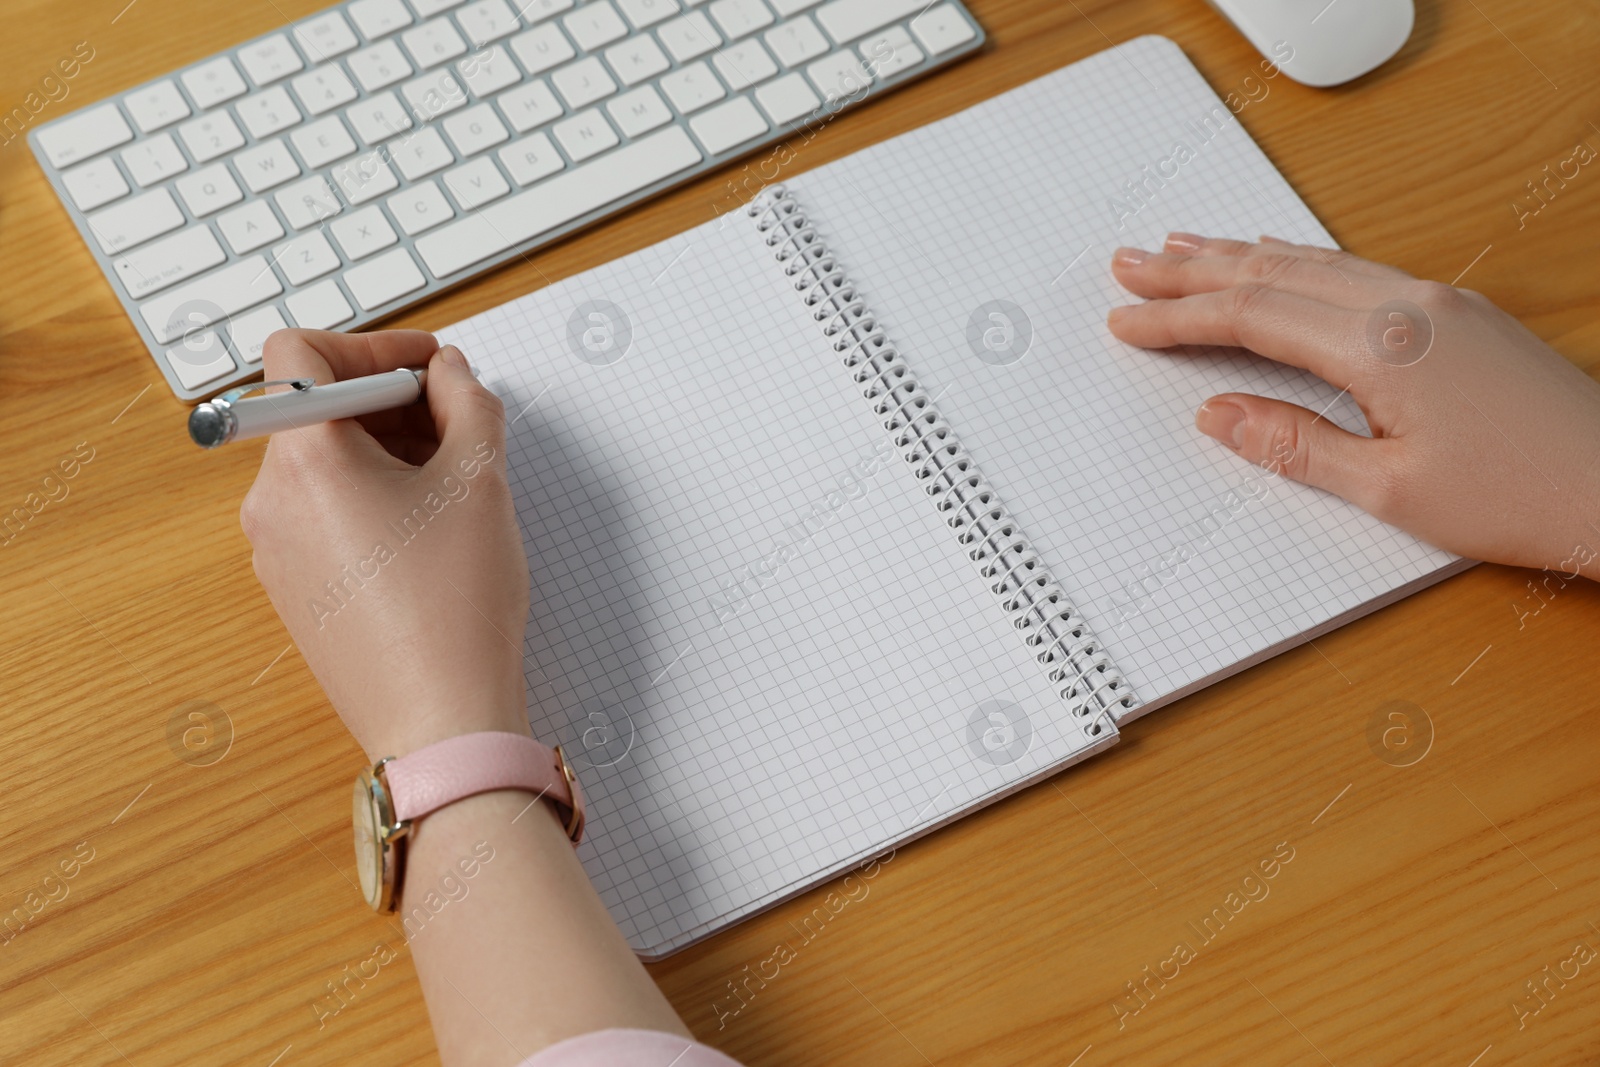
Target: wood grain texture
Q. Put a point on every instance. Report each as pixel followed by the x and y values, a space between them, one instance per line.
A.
pixel 1419 899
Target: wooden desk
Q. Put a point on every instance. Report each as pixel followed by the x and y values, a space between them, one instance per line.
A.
pixel 1418 901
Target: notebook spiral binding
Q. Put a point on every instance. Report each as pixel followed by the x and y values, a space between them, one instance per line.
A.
pixel 1059 637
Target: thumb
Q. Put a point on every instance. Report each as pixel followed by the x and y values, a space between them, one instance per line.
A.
pixel 470 420
pixel 1290 440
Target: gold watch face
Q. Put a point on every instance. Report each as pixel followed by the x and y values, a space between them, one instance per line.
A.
pixel 369 838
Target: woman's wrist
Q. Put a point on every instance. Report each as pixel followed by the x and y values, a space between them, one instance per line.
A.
pixel 438 719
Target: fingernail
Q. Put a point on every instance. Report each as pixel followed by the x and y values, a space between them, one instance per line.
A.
pixel 1129 257
pixel 1116 313
pixel 1268 239
pixel 1183 242
pixel 452 355
pixel 1221 420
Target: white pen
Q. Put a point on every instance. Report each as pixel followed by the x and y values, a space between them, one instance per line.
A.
pixel 228 418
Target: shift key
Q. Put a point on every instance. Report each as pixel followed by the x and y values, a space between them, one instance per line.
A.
pixel 216 296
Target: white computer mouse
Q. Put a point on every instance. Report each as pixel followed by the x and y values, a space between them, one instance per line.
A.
pixel 1322 42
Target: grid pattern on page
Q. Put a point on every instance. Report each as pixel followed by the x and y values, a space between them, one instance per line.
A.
pixel 983 243
pixel 760 645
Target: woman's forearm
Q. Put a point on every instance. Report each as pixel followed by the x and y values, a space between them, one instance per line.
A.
pixel 511 943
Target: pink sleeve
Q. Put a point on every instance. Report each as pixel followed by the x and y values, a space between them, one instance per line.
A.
pixel 628 1048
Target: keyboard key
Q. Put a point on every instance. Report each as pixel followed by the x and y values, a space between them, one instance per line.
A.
pixel 531 105
pixel 595 24
pixel 135 221
pixel 85 134
pixel 529 159
pixel 689 37
pixel 637 59
pixel 321 307
pixel 379 66
pixel 268 112
pixel 210 136
pixel 942 29
pixel 787 99
pixel 742 65
pixel 786 8
pixel 249 332
pixel 558 201
pixel 266 166
pixel 638 111
pixel 487 20
pixel 322 142
pixel 534 10
pixel 541 48
pixel 474 129
pixel 476 183
pixel 796 41
pixel 488 71
pixel 362 233
pixel 430 8
pixel 583 82
pixel 377 18
pixel 643 13
pixel 845 20
pixel 692 88
pixel 728 125
pixel 421 154
pixel 422 207
pixel 379 118
pixel 365 177
pixel 308 202
pixel 433 43
pixel 838 75
pixel 250 227
pixel 168 261
pixel 740 18
pixel 323 89
pixel 890 52
pixel 211 297
pixel 156 105
pixel 95 184
pixel 434 94
pixel 213 82
pixel 325 36
pixel 154 159
pixel 389 277
pixel 200 359
pixel 270 59
pixel 585 135
pixel 306 257
pixel 208 190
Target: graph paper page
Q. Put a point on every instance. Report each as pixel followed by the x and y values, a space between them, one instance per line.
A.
pixel 736 748
pixel 1186 560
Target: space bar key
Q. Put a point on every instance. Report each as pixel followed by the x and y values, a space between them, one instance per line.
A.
pixel 558 201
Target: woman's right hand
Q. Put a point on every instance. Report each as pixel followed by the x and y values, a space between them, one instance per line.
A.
pixel 1485 440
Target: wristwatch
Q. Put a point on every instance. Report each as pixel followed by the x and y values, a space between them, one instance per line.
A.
pixel 396 792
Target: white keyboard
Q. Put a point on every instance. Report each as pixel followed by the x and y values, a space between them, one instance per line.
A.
pixel 350 165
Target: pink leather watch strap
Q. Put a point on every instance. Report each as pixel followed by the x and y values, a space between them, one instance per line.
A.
pixel 446 771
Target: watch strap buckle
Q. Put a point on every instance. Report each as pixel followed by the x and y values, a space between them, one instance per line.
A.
pixel 573 823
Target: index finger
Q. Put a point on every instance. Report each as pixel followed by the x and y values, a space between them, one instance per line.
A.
pixel 333 357
pixel 329 357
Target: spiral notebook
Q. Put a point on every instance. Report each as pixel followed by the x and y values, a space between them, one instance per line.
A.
pixel 846 515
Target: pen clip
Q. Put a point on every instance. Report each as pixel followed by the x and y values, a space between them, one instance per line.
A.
pixel 300 385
